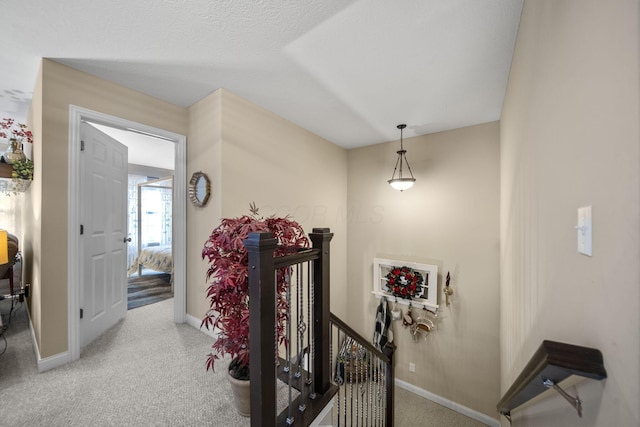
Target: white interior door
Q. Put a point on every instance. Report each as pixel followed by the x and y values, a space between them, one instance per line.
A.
pixel 103 192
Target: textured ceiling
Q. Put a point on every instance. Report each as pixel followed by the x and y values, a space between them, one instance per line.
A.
pixel 349 71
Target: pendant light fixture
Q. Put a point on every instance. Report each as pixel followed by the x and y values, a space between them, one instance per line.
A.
pixel 402 182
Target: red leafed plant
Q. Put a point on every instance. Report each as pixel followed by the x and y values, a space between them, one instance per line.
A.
pixel 228 291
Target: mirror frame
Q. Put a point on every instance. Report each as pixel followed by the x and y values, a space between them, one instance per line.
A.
pixel 193 189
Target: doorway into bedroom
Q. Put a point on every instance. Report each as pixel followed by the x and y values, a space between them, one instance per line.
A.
pixel 149 216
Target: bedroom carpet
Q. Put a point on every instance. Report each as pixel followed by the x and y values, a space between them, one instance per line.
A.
pixel 148 289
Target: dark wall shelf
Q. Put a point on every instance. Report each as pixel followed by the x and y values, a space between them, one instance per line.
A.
pixel 552 363
pixel 5 170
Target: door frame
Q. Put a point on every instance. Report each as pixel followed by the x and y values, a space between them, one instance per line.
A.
pixel 179 241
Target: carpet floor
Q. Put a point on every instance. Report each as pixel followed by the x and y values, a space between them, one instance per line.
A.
pixel 148 289
pixel 145 371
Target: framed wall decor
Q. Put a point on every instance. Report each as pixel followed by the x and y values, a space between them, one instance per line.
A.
pixel 199 189
pixel 406 282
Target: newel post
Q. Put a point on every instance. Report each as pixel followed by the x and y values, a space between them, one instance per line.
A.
pixel 388 350
pixel 262 324
pixel 321 239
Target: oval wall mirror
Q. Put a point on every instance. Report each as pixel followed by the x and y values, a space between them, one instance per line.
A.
pixel 199 189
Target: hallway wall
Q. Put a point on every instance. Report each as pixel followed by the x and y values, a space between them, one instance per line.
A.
pixel 570 137
pixel 450 218
pixel 59 87
pixel 253 155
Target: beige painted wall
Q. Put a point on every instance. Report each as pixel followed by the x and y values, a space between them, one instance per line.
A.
pixel 32 221
pixel 203 155
pixel 570 138
pixel 283 168
pixel 449 218
pixel 60 87
pixel 28 208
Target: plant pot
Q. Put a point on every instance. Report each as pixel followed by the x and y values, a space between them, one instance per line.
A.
pixel 241 395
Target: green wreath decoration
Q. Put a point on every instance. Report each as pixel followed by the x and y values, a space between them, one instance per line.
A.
pixel 405 282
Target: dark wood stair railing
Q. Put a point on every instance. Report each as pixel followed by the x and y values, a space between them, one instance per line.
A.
pixel 375 381
pixel 552 363
pixel 262 321
pixel 308 273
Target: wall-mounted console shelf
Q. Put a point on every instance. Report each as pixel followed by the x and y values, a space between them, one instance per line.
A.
pixel 11 185
pixel 14 185
pixel 552 363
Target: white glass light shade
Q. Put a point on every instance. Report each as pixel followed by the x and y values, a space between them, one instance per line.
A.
pixel 401 184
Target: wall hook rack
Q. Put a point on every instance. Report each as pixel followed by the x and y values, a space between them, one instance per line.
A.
pixel 433 311
pixel 428 298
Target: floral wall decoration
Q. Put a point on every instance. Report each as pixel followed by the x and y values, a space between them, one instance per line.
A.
pixel 405 282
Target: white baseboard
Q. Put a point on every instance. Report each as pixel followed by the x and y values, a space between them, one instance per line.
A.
pixel 50 362
pixel 195 322
pixel 54 361
pixel 61 359
pixel 461 409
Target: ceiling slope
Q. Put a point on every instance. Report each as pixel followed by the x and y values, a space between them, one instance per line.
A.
pixel 349 71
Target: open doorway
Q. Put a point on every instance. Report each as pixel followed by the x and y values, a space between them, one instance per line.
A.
pixel 150 249
pixel 151 167
pixel 77 116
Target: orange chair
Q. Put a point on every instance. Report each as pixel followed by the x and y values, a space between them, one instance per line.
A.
pixel 6 270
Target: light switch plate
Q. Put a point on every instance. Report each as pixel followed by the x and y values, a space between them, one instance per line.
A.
pixel 584 230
